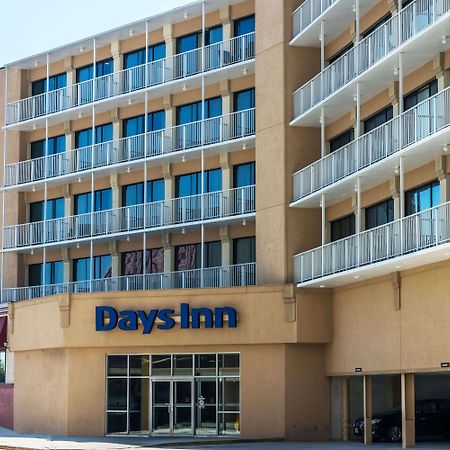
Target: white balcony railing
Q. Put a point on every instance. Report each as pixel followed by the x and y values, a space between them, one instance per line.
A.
pixel 178 211
pixel 308 12
pixel 419 122
pixel 155 143
pixel 154 73
pixel 402 237
pixel 211 277
pixel 410 21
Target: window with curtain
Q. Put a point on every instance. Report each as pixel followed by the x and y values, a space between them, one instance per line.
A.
pixel 56 144
pixel 379 214
pixel 54 273
pixel 54 82
pixel 342 228
pixel 244 174
pixel 102 268
pixel 55 209
pixel 102 201
pixel 188 256
pixel 190 184
pixel 132 261
pixel 244 25
pixel 342 140
pixel 244 250
pixel 378 119
pixel 422 198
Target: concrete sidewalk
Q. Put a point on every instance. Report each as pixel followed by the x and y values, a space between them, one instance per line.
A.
pixel 10 440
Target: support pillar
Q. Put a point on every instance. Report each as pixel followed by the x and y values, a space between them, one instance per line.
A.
pixel 70 71
pixel 367 393
pixel 444 178
pixel 225 19
pixel 117 129
pixel 169 253
pixel 68 201
pixel 442 74
pixel 227 176
pixel 169 182
pixel 67 265
pixel 394 189
pixel 171 47
pixel 114 180
pixel 117 57
pixel 345 409
pixel 115 262
pixel 226 246
pixel 393 97
pixel 408 411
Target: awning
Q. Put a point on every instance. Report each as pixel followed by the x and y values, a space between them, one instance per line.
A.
pixel 3 330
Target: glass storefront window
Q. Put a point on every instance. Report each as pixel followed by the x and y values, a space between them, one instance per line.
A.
pixel 175 394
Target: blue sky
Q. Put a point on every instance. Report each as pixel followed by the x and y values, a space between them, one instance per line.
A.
pixel 31 26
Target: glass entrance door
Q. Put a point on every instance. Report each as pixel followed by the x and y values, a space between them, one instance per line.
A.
pixel 205 407
pixel 172 406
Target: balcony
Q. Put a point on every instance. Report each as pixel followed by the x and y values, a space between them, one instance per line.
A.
pixel 413 241
pixel 336 14
pixel 212 277
pixel 227 132
pixel 211 208
pixel 420 133
pixel 159 78
pixel 376 59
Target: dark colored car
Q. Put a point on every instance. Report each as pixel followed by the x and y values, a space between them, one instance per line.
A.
pixel 432 420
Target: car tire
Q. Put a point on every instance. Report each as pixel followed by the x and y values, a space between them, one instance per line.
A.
pixel 394 434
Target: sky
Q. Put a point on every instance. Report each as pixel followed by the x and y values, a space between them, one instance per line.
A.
pixel 28 27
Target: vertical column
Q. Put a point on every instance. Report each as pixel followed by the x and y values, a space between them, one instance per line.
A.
pixel 117 57
pixel 169 182
pixel 114 181
pixel 367 392
pixel 117 128
pixel 115 261
pixel 67 265
pixel 443 176
pixel 170 113
pixel 70 71
pixel 345 408
pixel 408 410
pixel 442 74
pixel 169 263
pixel 227 178
pixel 226 246
pixel 68 201
pixel 3 191
pixel 171 49
pixel 394 97
pixel 225 19
pixel 394 189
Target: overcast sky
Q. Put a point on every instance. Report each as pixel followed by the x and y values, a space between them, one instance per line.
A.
pixel 28 27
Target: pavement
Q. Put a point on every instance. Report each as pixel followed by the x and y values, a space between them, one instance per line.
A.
pixel 10 440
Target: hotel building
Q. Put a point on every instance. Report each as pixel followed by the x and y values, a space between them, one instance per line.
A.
pixel 231 219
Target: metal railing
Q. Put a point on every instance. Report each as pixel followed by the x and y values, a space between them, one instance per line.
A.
pixel 155 143
pixel 180 66
pixel 406 24
pixel 308 12
pixel 401 237
pixel 216 205
pixel 211 277
pixel 419 122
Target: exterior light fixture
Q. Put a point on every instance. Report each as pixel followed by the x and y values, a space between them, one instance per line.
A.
pixel 130 101
pixel 355 98
pixel 33 188
pixel 244 72
pixel 358 369
pixel 396 170
pixel 34 126
pixel 356 277
pixel 80 115
pixel 36 63
pixel 32 252
pixel 354 8
pixel 184 87
pixel 79 179
pixel 444 40
pixel 183 231
pixel 186 15
pixel 81 49
pixel 445 364
pixel 244 147
pixel 78 245
pixel 396 71
pixel 445 148
pixel 131 32
pixel 244 222
pixel 321 286
pixel 128 238
pixel 183 159
pixel 128 170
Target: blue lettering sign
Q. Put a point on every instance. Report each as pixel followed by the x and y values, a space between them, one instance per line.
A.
pixel 108 318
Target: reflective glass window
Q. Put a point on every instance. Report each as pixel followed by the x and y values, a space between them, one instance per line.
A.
pixel 244 250
pixel 244 175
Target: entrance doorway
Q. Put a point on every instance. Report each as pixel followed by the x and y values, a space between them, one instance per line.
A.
pixel 173 395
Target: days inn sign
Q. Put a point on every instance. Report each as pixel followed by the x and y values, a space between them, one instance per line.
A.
pixel 108 318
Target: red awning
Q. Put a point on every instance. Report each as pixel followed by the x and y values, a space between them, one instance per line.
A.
pixel 3 331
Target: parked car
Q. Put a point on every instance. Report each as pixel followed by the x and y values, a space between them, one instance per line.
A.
pixel 432 420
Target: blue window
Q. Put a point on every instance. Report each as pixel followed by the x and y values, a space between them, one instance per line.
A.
pixel 244 100
pixel 214 35
pixel 56 144
pixel 244 25
pixel 421 94
pixel 423 197
pixel 244 175
pixel 133 194
pixel 188 42
pixel 244 250
pixel 135 125
pixel 379 214
pixel 55 209
pixel 103 133
pixel 82 268
pixel 137 57
pixel 190 184
pixel 192 112
pixel 54 273
pixel 102 68
pixel 55 82
pixel 102 201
